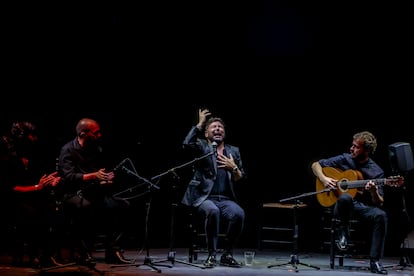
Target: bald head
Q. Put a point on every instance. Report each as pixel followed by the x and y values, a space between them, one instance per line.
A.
pixel 85 125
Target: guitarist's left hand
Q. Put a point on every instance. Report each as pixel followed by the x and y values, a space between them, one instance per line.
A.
pixel 373 189
pixel 371 186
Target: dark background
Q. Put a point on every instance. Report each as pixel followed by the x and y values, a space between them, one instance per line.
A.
pixel 293 81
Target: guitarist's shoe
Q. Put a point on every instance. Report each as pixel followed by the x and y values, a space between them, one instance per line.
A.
pixel 376 267
pixel 342 242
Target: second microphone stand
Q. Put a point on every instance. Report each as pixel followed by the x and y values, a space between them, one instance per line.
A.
pixel 294 258
pixel 148 261
pixel 171 254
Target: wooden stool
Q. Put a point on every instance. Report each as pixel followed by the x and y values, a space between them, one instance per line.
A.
pixel 277 231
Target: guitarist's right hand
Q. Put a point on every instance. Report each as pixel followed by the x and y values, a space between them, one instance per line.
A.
pixel 329 182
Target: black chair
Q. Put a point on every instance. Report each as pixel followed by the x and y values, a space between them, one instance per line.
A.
pixel 357 242
pixel 198 238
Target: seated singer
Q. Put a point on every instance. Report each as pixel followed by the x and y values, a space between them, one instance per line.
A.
pixel 211 190
pixel 366 204
pixel 86 187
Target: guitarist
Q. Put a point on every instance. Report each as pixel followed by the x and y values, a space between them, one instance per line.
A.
pixel 366 204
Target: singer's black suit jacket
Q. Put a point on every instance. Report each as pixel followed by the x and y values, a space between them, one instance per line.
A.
pixel 205 170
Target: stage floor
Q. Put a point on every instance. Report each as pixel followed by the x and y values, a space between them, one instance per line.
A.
pixel 156 261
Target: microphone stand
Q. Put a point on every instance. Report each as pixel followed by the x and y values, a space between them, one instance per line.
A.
pixel 152 185
pixel 294 258
pixel 129 190
pixel 171 255
pixel 184 165
pixel 148 260
pixel 404 258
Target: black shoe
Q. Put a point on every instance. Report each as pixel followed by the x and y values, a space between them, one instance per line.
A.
pixel 376 267
pixel 228 260
pixel 116 257
pixel 342 242
pixel 211 261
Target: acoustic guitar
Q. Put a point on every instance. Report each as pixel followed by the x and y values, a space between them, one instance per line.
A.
pixel 349 181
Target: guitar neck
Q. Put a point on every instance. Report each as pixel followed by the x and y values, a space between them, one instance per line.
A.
pixel 358 183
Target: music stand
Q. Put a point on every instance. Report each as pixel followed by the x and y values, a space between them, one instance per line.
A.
pixel 294 258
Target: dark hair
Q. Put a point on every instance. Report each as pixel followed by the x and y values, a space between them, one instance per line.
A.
pixel 22 129
pixel 369 140
pixel 215 119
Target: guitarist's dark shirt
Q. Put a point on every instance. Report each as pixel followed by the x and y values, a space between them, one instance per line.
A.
pixel 369 170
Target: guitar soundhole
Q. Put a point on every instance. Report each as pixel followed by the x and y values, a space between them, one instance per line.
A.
pixel 343 185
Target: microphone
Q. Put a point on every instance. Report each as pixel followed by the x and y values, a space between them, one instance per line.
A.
pixel 121 164
pixel 214 146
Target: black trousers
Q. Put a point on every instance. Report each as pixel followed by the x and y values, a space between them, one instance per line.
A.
pixel 346 207
pixel 106 216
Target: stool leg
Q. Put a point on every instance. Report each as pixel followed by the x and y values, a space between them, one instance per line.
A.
pixel 341 260
pixel 332 247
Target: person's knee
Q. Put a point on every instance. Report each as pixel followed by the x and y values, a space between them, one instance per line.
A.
pixel 344 198
pixel 381 217
pixel 241 215
pixel 213 213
